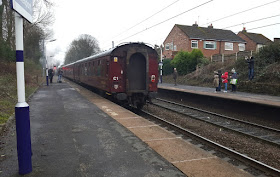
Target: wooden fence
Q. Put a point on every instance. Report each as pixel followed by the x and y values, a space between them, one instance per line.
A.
pixel 235 56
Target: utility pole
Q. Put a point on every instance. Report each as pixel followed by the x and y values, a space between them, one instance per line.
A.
pixel 46 61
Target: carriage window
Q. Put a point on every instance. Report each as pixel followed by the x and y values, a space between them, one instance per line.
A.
pixel 89 70
pixel 94 69
pixel 86 69
pixel 107 68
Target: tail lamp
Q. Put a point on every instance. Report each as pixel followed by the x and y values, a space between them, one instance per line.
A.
pixel 153 78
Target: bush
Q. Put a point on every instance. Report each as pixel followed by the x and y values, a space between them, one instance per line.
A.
pixel 269 54
pixel 167 68
pixel 186 62
pixel 6 53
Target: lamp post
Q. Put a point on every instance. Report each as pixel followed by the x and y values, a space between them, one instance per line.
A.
pixel 46 61
pixel 160 64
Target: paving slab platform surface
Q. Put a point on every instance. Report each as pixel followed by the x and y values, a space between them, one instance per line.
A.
pixel 71 136
pixel 241 96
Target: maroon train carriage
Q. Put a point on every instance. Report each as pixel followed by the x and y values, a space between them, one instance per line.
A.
pixel 128 72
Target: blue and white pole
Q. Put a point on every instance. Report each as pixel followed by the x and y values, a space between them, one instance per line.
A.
pixel 160 64
pixel 22 108
pixel 47 73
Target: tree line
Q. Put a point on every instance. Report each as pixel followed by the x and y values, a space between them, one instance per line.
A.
pixel 34 34
pixel 84 46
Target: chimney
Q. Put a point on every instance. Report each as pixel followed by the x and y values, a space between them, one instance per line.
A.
pixel 210 26
pixel 195 24
pixel 244 29
pixel 277 40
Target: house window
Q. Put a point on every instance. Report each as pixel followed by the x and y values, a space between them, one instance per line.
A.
pixel 241 47
pixel 175 48
pixel 194 44
pixel 228 46
pixel 259 46
pixel 167 46
pixel 171 46
pixel 210 45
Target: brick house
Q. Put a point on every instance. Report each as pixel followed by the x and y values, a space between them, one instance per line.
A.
pixel 254 41
pixel 209 40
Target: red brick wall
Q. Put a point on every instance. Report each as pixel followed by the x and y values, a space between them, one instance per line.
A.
pixel 183 42
pixel 250 45
pixel 179 38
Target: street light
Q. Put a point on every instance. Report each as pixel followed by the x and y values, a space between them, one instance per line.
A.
pixel 160 64
pixel 45 51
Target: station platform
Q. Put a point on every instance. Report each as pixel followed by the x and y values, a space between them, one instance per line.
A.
pixel 239 96
pixel 75 132
pixel 73 137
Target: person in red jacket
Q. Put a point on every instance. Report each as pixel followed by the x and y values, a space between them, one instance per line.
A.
pixel 225 80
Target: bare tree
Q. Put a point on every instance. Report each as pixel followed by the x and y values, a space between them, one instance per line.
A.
pixel 34 33
pixel 83 47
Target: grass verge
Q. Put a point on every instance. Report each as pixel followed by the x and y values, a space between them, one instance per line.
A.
pixel 8 86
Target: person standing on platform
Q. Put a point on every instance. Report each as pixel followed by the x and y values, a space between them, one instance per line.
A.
pixel 175 75
pixel 251 63
pixel 219 74
pixel 51 75
pixel 216 82
pixel 59 73
pixel 225 80
pixel 233 80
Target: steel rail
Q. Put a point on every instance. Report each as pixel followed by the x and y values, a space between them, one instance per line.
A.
pixel 275 143
pixel 241 157
pixel 223 116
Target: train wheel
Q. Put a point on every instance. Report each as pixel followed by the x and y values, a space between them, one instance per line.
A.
pixel 140 105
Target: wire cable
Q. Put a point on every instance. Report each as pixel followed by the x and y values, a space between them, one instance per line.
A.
pixel 264 26
pixel 166 20
pixel 241 12
pixel 147 18
pixel 252 21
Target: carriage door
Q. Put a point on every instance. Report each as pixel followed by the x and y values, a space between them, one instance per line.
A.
pixel 137 72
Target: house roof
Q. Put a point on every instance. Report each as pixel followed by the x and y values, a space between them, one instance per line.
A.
pixel 210 33
pixel 258 38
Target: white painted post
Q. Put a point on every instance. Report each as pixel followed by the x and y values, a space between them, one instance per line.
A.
pixel 22 108
pixel 161 64
pixel 47 70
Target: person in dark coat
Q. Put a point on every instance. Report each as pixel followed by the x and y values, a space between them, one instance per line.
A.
pixel 251 63
pixel 59 73
pixel 50 72
pixel 233 80
pixel 175 75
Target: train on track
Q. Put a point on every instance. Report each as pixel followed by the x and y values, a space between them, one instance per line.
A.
pixel 128 73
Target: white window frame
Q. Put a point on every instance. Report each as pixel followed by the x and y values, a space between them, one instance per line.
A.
pixel 211 43
pixel 259 46
pixel 241 47
pixel 228 46
pixel 175 48
pixel 167 46
pixel 194 42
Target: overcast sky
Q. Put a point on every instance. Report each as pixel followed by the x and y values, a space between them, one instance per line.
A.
pixel 112 20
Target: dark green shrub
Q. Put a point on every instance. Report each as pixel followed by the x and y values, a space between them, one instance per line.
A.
pixel 269 54
pixel 186 62
pixel 6 52
pixel 167 68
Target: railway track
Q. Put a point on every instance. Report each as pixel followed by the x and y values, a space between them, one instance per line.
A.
pixel 268 170
pixel 252 130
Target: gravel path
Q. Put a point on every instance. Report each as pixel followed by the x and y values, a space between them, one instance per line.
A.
pixel 265 153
